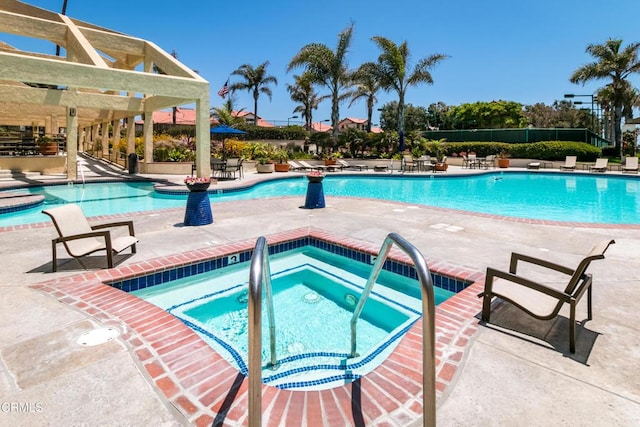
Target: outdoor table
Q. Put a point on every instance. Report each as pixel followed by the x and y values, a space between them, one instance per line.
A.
pixel 423 164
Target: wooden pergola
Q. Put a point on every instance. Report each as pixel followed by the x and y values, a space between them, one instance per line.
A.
pixel 106 76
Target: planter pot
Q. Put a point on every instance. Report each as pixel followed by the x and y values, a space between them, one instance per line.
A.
pixel 265 168
pixel 281 167
pixel 503 163
pixel 48 148
pixel 200 186
pixel 315 178
pixel 330 162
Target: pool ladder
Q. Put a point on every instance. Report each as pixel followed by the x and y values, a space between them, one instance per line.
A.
pixel 428 318
pixel 260 272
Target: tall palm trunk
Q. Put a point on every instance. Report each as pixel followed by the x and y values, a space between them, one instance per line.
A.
pixel 335 118
pixel 255 109
pixel 369 113
pixel 617 136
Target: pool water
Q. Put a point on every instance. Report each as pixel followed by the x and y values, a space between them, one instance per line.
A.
pixel 547 196
pixel 95 199
pixel 314 294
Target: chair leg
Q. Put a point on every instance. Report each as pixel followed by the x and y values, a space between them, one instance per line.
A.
pixel 54 266
pixel 572 327
pixel 589 306
pixel 486 298
pixel 109 258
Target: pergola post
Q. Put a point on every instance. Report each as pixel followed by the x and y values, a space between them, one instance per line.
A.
pixel 104 127
pixel 131 135
pixel 72 144
pixel 203 137
pixel 116 138
pixel 147 131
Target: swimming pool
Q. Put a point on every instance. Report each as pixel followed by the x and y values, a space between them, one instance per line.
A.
pixel 546 196
pixel 315 291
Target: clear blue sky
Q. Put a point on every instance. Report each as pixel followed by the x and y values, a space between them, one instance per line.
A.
pixel 522 51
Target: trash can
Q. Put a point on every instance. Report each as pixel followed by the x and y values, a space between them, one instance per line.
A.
pixel 132 160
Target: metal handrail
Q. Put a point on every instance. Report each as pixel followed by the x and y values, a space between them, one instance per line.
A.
pixel 259 272
pixel 428 318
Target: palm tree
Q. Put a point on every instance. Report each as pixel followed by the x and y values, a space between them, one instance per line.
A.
pixel 256 81
pixel 392 73
pixel 226 114
pixel 611 63
pixel 605 97
pixel 304 93
pixel 327 68
pixel 367 86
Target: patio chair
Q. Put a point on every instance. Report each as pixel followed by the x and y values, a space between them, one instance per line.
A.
pixel 233 165
pixel 539 300
pixel 80 238
pixel 407 163
pixel 490 160
pixel 569 163
pixel 630 165
pixel 600 166
pixel 346 165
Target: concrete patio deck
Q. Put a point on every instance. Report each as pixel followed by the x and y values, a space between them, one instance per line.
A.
pixel 515 371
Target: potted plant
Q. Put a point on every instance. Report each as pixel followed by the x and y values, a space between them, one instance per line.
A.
pixel 503 159
pixel 263 154
pixel 330 159
pixel 264 165
pixel 315 176
pixel 282 165
pixel 197 183
pixel 47 146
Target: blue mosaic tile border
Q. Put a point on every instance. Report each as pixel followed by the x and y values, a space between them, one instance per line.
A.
pixel 448 283
pixel 22 207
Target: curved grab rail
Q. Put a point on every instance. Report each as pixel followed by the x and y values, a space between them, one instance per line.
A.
pixel 259 272
pixel 428 318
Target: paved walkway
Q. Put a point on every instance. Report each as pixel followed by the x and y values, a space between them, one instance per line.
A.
pixel 506 377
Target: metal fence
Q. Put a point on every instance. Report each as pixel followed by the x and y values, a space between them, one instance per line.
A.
pixel 519 135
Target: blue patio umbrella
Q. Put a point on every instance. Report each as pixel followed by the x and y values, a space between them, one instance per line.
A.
pixel 226 130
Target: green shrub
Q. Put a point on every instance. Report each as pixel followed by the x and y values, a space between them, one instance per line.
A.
pixel 543 150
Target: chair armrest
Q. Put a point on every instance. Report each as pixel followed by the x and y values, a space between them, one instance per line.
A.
pixel 105 234
pixel 491 273
pixel 128 224
pixel 515 257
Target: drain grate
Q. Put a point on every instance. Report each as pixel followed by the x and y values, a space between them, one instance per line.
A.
pixel 98 336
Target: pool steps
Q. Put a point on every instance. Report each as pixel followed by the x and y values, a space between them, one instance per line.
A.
pixel 260 273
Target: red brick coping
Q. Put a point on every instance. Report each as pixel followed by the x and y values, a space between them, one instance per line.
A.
pixel 206 389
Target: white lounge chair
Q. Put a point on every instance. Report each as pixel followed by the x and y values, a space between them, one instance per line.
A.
pixel 569 163
pixel 80 238
pixel 312 167
pixel 630 165
pixel 347 165
pixel 600 166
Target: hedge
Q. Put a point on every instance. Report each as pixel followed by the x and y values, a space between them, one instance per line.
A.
pixel 543 150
